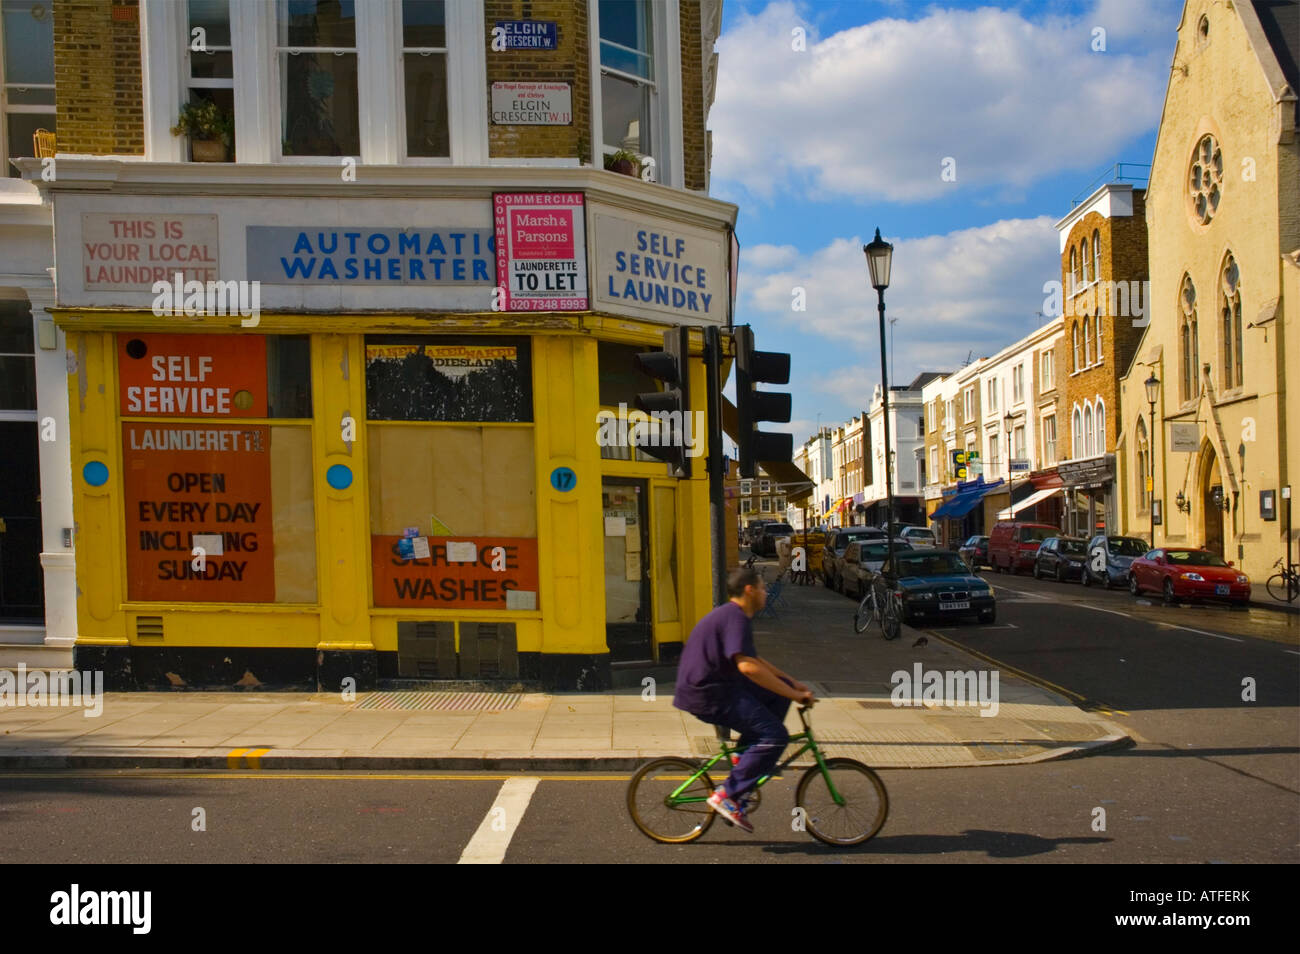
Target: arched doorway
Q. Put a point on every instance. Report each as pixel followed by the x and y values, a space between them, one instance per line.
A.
pixel 1212 493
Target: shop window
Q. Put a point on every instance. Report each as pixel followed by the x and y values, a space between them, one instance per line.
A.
pixel 448 378
pixel 17 357
pixel 424 63
pixel 27 95
pixel 316 53
pixel 219 502
pixel 210 72
pixel 621 379
pixel 627 80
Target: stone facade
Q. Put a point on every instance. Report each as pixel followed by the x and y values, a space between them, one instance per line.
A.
pixel 1223 211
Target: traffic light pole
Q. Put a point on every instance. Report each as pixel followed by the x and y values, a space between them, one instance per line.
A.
pixel 717 505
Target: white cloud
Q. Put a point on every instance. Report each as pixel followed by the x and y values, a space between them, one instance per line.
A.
pixel 872 111
pixel 974 291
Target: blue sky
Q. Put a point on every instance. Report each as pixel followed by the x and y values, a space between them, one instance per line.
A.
pixel 820 146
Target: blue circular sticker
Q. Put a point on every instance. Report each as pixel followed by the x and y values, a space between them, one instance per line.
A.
pixel 95 473
pixel 339 477
pixel 564 479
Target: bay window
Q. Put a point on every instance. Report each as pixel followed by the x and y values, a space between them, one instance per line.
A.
pixel 316 55
pixel 627 76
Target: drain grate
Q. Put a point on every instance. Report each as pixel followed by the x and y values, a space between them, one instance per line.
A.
pixel 442 701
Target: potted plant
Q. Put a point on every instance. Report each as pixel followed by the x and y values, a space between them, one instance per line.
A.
pixel 209 129
pixel 624 163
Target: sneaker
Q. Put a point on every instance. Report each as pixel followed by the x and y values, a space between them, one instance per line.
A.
pixel 729 810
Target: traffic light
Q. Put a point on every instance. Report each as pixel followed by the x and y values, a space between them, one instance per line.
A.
pixel 672 405
pixel 753 407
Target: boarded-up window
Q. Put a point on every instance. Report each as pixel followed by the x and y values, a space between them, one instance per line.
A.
pixel 446 378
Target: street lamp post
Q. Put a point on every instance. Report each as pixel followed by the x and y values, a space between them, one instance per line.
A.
pixel 1153 392
pixel 1008 420
pixel 879 260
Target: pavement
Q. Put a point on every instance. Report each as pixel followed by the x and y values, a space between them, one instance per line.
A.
pixel 863 713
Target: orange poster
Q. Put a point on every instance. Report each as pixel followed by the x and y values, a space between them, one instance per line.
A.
pixel 497 573
pixel 192 375
pixel 198 485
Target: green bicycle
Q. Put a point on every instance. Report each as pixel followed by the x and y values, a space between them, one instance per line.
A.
pixel 838 801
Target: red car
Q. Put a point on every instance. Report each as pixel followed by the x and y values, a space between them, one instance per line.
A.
pixel 1188 574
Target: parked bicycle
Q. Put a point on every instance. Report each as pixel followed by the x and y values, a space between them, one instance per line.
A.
pixel 878 605
pixel 1285 584
pixel 839 801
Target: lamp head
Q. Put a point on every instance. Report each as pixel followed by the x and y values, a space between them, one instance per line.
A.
pixel 1153 388
pixel 879 260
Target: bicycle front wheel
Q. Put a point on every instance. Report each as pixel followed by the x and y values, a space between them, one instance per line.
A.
pixel 860 812
pixel 866 612
pixel 663 816
pixel 1277 588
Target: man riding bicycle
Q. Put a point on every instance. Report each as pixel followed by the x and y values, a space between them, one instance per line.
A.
pixel 722 680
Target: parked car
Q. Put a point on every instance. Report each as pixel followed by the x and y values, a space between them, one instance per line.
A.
pixel 1060 557
pixel 754 530
pixel 1109 559
pixel 1013 544
pixel 766 543
pixel 937 585
pixel 836 543
pixel 918 536
pixel 862 561
pixel 1188 574
pixel 975 551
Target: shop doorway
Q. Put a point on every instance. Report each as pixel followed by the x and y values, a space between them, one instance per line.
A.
pixel 22 595
pixel 628 630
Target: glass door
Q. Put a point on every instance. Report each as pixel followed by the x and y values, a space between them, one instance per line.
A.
pixel 627 581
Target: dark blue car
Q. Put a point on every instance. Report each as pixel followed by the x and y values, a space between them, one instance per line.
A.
pixel 1109 558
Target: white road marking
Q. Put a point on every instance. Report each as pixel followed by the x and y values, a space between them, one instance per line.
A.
pixel 488 846
pixel 1102 609
pixel 1291 651
pixel 1231 639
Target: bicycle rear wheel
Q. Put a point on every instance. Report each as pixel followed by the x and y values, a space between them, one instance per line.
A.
pixel 1277 588
pixel 891 618
pixel 865 803
pixel 657 814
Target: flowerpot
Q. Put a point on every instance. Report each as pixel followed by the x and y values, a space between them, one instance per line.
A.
pixel 624 167
pixel 208 150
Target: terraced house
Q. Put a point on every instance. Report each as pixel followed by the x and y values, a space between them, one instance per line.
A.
pixel 342 288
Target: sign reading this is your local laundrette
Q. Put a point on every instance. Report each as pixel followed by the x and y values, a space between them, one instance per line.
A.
pixel 197 496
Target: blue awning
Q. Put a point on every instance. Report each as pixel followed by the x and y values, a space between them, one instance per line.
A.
pixel 965 500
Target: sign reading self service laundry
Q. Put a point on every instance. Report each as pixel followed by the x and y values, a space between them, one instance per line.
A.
pixel 656 268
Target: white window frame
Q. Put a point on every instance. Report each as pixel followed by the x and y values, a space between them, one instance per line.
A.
pixel 380 83
pixel 30 109
pixel 993 396
pixel 666 138
pixel 934 465
pixel 1100 356
pixel 765 505
pixel 1076 432
pixel 1049 444
pixel 968 403
pixel 746 505
pixel 994 460
pixel 746 487
pixel 1018 383
pixel 1099 423
pixel 1046 370
pixel 1018 442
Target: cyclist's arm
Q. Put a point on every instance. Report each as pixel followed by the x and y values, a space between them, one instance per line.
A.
pixel 781 675
pixel 761 673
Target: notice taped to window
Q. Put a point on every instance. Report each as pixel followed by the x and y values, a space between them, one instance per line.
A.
pixel 502 565
pixel 541 247
pixel 186 485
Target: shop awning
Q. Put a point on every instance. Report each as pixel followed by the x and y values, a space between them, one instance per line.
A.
pixel 965 500
pixel 1037 495
pixel 797 486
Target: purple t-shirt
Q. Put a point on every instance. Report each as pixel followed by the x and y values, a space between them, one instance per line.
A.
pixel 707 678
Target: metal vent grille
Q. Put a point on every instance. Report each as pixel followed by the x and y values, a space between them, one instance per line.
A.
pixel 446 701
pixel 149 627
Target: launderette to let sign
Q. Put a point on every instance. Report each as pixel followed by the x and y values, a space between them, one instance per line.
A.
pixel 293 255
pixel 653 267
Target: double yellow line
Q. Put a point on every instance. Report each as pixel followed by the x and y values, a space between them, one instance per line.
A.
pixel 245 758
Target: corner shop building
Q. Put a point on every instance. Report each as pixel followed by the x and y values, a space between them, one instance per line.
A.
pixel 383 476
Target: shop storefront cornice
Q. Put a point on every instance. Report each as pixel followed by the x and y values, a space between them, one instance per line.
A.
pixel 81 174
pixel 604 327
